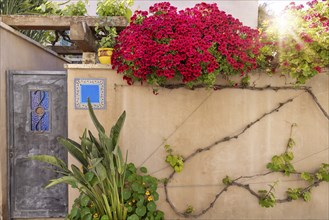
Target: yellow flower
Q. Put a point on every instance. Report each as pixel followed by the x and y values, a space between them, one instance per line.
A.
pixel 90 166
pixel 150 198
pixel 147 193
pixel 95 215
pixel 133 200
pixel 144 184
pixel 129 203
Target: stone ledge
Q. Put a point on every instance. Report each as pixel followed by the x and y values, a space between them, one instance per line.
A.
pixel 88 66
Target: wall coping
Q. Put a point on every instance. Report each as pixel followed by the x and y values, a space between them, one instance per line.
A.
pixel 88 66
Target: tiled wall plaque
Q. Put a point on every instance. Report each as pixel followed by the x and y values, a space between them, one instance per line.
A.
pixel 89 88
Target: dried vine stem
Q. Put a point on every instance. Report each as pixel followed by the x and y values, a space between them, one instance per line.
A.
pixel 225 139
pixel 228 138
pixel 287 199
pixel 315 99
pixel 235 181
pixel 255 88
pixel 243 186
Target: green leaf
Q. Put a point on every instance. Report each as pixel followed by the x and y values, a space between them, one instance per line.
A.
pixel 74 212
pixel 278 160
pixel 84 200
pixel 101 172
pixel 305 176
pixel 50 160
pixel 141 211
pixel 290 155
pixel 151 206
pixel 155 196
pixel 227 181
pixel 89 176
pixel 143 169
pixel 319 176
pixel 131 178
pixel 88 216
pixel 291 143
pixel 65 179
pixel 262 191
pixel 97 124
pixel 74 151
pixel 116 129
pixel 131 167
pixel 128 14
pixel 85 142
pixel 130 209
pixel 78 175
pixel 293 193
pixel 140 203
pixel 137 187
pixel 267 203
pixel 95 162
pixel 104 217
pixel 85 211
pixel 77 145
pixel 307 196
pixel 126 194
pixel 159 215
pixel 133 217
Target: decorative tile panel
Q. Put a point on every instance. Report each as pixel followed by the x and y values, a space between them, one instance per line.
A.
pixel 39 110
pixel 89 88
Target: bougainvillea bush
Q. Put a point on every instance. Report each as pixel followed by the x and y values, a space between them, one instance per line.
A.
pixel 192 45
pixel 299 45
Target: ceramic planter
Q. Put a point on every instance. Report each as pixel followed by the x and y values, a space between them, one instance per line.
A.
pixel 104 55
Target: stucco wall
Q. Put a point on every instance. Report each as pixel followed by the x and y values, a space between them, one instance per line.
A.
pixel 17 52
pixel 188 120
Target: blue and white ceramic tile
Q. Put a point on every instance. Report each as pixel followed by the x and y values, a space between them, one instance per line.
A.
pixel 89 88
pixel 39 110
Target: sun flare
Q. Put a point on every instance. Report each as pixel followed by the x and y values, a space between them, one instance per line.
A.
pixel 285 23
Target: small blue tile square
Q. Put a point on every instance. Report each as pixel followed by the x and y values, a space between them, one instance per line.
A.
pixel 91 91
pixel 94 88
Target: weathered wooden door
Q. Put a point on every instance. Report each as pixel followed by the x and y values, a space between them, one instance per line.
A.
pixel 37 116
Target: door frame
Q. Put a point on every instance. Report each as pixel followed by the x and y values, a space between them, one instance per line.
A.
pixel 10 121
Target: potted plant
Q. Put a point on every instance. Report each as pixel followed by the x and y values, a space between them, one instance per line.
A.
pixel 107 41
pixel 106 34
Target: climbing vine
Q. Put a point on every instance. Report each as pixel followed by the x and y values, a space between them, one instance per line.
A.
pixel 281 163
pixel 175 161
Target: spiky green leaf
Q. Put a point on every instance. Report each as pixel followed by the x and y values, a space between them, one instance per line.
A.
pixel 74 150
pixel 52 160
pixel 97 124
pixel 65 179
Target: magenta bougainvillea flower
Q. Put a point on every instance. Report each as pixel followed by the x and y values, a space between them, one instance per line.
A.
pixel 192 45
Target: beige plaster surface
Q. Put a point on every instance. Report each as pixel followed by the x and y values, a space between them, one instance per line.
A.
pixel 79 119
pixel 17 52
pixel 188 120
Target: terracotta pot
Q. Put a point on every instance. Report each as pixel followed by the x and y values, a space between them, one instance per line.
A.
pixel 104 55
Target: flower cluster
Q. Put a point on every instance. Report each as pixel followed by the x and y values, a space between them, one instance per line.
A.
pixel 302 49
pixel 192 45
